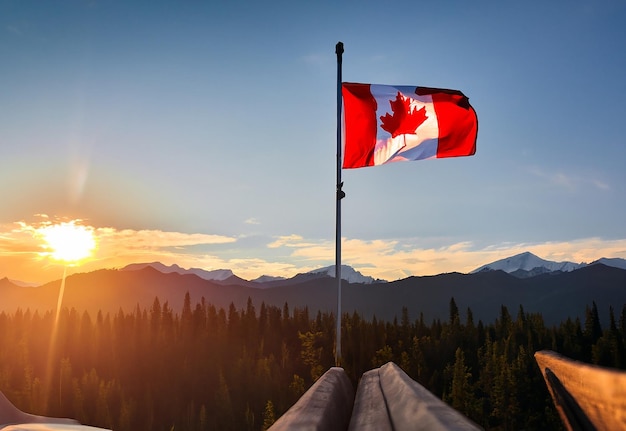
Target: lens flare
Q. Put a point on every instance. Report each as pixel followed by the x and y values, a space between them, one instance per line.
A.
pixel 71 243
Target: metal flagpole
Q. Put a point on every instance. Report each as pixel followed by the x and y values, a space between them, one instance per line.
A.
pixel 340 195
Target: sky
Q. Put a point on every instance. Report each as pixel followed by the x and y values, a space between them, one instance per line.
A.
pixel 204 134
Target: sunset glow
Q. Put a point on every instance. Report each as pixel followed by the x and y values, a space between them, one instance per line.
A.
pixel 68 241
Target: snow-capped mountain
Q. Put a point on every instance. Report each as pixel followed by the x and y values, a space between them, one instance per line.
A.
pixel 216 275
pixel 348 273
pixel 525 264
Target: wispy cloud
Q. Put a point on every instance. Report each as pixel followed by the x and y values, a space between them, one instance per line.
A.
pixel 156 239
pixel 252 221
pixel 600 184
pixel 569 181
pixel 317 60
pixel 14 29
pixel 288 241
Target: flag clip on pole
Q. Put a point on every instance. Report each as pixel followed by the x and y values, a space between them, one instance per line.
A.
pixel 340 195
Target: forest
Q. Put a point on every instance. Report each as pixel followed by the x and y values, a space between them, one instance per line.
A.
pixel 207 368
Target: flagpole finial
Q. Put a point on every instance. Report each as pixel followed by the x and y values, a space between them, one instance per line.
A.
pixel 339 48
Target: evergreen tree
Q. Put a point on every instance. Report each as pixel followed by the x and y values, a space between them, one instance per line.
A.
pixel 206 367
pixel 268 415
pixel 454 317
pixel 461 394
pixel 311 352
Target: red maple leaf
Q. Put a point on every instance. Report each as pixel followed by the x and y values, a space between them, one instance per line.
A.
pixel 404 119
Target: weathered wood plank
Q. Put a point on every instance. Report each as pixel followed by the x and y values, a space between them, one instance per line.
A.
pixel 370 408
pixel 326 406
pixel 413 407
pixel 599 393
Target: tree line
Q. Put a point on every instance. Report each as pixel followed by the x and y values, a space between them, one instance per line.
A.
pixel 209 368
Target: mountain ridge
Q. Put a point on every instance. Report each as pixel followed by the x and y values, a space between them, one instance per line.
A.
pixel 527 261
pixel 557 296
pixel 522 265
pixel 347 273
pixel 528 265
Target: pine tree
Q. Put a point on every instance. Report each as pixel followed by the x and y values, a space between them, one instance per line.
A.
pixel 223 404
pixel 311 352
pixel 592 333
pixel 462 391
pixel 268 415
pixel 454 318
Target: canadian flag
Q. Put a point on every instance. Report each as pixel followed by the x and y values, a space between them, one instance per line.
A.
pixel 385 123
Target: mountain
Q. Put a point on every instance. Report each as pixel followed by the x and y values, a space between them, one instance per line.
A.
pixel 523 265
pixel 217 274
pixel 558 290
pixel 556 296
pixel 615 262
pixel 226 275
pixel 348 273
pixel 526 264
pixel 21 283
pixel 266 279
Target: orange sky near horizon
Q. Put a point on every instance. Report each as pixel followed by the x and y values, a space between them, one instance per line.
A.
pixel 25 256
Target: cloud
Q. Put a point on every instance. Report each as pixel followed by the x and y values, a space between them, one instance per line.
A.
pixel 24 236
pixel 317 60
pixel 600 184
pixel 571 182
pixel 286 241
pixel 23 251
pixel 252 220
pixel 14 29
pixel 156 239
pixel 399 258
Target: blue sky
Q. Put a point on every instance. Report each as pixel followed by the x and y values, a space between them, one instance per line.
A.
pixel 203 133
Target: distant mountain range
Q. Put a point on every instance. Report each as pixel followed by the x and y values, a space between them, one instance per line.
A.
pixel 556 293
pixel 217 274
pixel 523 265
pixel 347 273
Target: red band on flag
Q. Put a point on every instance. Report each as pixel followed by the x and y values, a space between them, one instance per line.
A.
pixel 360 113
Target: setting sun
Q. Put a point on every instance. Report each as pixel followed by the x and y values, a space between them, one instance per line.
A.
pixel 68 241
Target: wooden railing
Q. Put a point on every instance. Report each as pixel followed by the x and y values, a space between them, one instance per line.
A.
pixel 587 397
pixel 327 405
pixel 386 399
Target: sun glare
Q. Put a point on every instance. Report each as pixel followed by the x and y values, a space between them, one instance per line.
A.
pixel 68 241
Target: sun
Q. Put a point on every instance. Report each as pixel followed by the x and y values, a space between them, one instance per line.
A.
pixel 68 241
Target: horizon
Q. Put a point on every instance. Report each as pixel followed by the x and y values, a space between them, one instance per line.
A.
pixel 204 135
pixel 25 256
pixel 174 268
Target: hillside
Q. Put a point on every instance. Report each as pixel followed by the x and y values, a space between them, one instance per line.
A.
pixel 557 296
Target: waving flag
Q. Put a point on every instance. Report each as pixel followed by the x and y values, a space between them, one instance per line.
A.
pixel 384 124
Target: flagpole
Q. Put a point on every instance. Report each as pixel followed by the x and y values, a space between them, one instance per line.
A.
pixel 340 195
